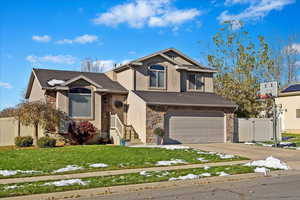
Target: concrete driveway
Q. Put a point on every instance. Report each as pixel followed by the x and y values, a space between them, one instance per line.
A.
pixel 292 157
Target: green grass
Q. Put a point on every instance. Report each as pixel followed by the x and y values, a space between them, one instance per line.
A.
pixel 105 181
pixel 49 159
pixel 294 138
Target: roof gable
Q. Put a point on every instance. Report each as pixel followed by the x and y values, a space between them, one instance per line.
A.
pixel 100 80
pixel 166 54
pixel 81 77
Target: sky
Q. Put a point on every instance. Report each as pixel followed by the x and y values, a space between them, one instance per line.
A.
pixel 59 34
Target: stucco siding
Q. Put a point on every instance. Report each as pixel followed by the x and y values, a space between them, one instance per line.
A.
pixel 125 78
pixel 178 58
pixel 136 115
pixel 111 74
pixel 62 101
pixel 290 123
pixel 172 82
pixel 36 94
pixel 208 82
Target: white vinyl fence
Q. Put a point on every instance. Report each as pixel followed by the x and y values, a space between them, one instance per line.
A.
pixel 255 129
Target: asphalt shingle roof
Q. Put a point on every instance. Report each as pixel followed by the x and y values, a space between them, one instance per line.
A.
pixel 292 88
pixel 44 75
pixel 184 98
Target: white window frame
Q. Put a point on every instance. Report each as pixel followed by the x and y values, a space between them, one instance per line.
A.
pixel 92 104
pixel 157 80
pixel 196 75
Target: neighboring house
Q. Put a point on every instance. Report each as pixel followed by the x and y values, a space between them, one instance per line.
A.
pixel 166 89
pixel 289 101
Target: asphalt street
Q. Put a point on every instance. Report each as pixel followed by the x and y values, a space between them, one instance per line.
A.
pixel 265 188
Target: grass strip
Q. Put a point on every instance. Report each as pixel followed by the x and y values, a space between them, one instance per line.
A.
pixel 9 190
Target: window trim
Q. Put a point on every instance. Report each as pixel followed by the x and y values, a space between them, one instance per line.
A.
pixel 156 71
pixel 91 117
pixel 297 114
pixel 202 89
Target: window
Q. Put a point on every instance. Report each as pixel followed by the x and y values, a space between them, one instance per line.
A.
pixel 297 113
pixel 80 103
pixel 157 76
pixel 195 81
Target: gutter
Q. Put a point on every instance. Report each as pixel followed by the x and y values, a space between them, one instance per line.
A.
pixel 196 105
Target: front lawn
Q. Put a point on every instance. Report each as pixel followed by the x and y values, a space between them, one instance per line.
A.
pixel 8 190
pixel 295 138
pixel 77 159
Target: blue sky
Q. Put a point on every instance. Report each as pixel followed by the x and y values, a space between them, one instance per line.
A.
pixel 58 34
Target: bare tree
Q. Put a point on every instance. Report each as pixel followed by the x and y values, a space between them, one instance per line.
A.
pixel 290 56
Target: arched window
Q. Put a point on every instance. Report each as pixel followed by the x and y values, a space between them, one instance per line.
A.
pixel 157 76
pixel 80 103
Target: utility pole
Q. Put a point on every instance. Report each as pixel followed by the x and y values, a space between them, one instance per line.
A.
pixel 275 122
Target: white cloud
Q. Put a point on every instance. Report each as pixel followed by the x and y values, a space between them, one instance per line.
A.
pixel 233 2
pixel 131 52
pixel 257 9
pixel 154 13
pixel 5 85
pixel 298 63
pixel 292 49
pixel 42 38
pixel 83 39
pixel 59 59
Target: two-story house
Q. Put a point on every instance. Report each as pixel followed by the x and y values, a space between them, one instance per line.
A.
pixel 166 89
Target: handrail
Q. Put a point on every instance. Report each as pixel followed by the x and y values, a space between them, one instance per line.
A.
pixel 117 124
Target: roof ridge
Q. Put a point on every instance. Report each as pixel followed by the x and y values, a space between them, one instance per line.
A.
pixel 42 69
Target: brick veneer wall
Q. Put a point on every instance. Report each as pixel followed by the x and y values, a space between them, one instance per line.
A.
pixel 51 98
pixel 155 117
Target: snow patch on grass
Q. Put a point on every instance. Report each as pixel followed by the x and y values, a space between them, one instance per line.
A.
pixel 169 147
pixel 98 165
pixel 262 170
pixel 270 162
pixel 225 156
pixel 68 168
pixel 206 167
pixel 202 159
pixel 186 177
pixel 12 187
pixel 249 143
pixel 14 172
pixel 205 174
pixel 170 162
pixel 222 174
pixel 67 182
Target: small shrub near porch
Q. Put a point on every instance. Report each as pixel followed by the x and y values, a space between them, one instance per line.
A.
pixel 46 142
pixel 25 141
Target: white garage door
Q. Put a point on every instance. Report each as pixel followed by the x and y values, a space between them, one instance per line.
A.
pixel 194 128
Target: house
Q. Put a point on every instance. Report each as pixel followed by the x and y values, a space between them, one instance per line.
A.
pixel 166 89
pixel 289 101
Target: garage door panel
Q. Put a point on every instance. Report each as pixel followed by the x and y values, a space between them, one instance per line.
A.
pixel 197 127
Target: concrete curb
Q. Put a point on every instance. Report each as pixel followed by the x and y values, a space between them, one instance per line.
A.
pixel 113 172
pixel 87 193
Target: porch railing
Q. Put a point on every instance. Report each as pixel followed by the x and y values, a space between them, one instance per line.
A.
pixel 117 124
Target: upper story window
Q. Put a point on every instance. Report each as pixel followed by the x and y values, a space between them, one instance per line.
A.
pixel 157 76
pixel 80 103
pixel 195 81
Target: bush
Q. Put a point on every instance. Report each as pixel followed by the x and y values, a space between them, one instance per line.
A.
pixel 46 142
pixel 159 132
pixel 82 132
pixel 25 141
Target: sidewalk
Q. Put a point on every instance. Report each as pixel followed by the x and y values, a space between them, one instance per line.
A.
pixel 113 172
